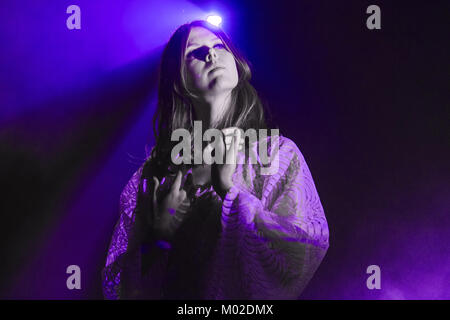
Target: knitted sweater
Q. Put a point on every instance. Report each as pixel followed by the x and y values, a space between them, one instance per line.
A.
pixel 265 240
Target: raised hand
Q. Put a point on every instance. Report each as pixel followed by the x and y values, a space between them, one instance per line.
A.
pixel 221 174
pixel 165 222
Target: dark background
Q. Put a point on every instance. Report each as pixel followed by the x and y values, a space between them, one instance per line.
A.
pixel 369 110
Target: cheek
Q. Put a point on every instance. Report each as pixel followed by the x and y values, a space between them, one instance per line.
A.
pixel 232 66
pixel 194 71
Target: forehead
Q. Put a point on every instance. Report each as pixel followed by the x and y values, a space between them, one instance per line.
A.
pixel 199 35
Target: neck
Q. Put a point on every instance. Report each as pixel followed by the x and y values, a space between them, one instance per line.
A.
pixel 210 109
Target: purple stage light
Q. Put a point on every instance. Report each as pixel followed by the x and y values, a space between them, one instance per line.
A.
pixel 214 20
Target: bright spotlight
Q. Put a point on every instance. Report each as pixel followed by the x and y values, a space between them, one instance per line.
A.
pixel 214 20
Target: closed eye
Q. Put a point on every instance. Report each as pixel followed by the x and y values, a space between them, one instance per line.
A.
pixel 201 52
pixel 219 46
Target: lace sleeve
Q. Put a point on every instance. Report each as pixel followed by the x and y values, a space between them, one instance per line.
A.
pixel 120 254
pixel 271 247
pixel 135 264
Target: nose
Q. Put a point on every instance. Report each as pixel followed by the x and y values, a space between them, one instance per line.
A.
pixel 212 55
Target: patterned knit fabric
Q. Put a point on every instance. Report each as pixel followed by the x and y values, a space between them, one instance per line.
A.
pixel 265 240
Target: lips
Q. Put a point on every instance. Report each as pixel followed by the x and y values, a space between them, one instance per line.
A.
pixel 215 68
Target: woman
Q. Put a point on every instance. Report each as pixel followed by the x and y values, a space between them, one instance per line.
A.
pixel 223 230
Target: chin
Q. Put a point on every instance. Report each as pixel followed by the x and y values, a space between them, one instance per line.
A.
pixel 221 84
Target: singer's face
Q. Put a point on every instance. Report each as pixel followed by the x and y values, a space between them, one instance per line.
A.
pixel 211 67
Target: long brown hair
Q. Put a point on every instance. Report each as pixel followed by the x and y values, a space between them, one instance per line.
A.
pixel 175 100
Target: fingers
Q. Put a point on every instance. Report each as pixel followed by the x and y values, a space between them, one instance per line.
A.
pixel 219 151
pixel 229 136
pixel 228 133
pixel 207 154
pixel 182 195
pixel 237 140
pixel 233 150
pixel 189 182
pixel 177 183
pixel 156 182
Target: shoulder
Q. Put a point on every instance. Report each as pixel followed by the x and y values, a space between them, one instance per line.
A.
pixel 287 146
pixel 282 147
pixel 274 153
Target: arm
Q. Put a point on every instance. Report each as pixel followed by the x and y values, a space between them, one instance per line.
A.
pixel 271 247
pixel 122 275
